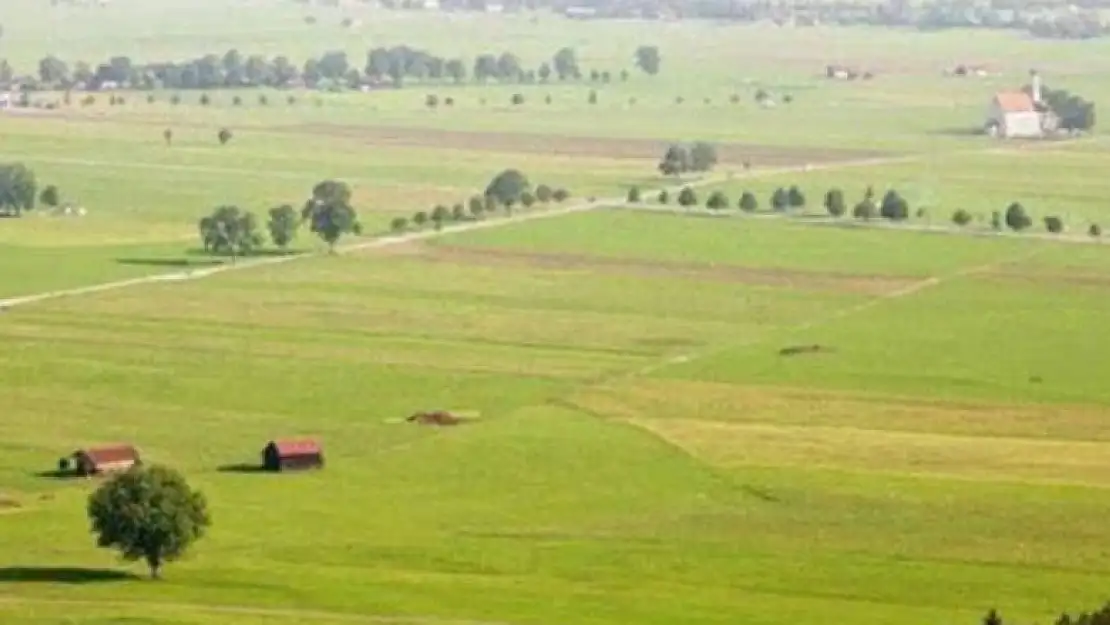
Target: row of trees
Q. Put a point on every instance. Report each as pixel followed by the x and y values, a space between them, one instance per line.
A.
pixel 328 214
pixel 19 191
pixel 1100 616
pixel 508 189
pixel 333 70
pixel 892 206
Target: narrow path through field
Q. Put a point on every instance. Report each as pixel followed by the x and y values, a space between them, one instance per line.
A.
pixel 385 241
pixel 301 616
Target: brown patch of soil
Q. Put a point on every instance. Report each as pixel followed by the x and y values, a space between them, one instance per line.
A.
pixel 436 417
pixel 809 280
pixel 798 350
pixel 561 145
pixel 9 504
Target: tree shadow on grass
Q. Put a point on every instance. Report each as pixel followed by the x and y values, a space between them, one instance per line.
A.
pixel 171 262
pixel 959 131
pixel 241 467
pixel 55 474
pixel 61 575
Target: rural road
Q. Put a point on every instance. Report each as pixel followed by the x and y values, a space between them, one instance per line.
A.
pixel 397 239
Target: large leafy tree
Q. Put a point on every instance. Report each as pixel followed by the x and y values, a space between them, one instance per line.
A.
pixel 565 62
pixel 18 189
pixel 703 156
pixel 283 225
pixel 834 203
pixel 149 514
pixel 507 187
pixel 329 212
pixel 647 59
pixel 675 161
pixel 1016 217
pixel 230 230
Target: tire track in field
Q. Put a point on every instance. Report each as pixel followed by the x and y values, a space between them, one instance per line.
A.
pixel 246 610
pixel 390 240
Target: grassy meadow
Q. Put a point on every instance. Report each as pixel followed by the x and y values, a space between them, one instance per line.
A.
pixel 641 452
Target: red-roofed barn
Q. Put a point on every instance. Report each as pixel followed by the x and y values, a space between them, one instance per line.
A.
pixel 107 459
pixel 292 454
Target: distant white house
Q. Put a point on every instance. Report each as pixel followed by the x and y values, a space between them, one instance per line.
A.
pixel 1014 115
pixel 6 101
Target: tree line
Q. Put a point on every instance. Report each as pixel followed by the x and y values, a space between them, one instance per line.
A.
pixel 333 70
pixel 327 213
pixel 1101 616
pixel 507 190
pixel 892 206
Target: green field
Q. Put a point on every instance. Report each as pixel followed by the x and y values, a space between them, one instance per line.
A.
pixel 641 451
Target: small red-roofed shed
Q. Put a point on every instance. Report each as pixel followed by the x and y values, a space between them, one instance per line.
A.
pixel 106 459
pixel 293 454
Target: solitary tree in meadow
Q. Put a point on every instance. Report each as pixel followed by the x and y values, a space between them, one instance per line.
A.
pixel 1095 230
pixel 329 212
pixel 149 514
pixel 648 59
pixel 283 225
pixel 18 189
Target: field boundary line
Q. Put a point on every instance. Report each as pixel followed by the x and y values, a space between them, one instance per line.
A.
pixel 246 610
pixel 398 239
pixel 828 317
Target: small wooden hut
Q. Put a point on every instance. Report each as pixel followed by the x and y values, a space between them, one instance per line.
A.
pixel 107 459
pixel 292 454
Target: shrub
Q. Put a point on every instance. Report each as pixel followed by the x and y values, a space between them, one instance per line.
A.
pixel 961 217
pixel 449 101
pixel 150 99
pixel 223 136
pixel 593 97
pixel 399 224
pixel 717 201
pixel 634 195
pixel 748 202
pixel 780 199
pixel 687 197
pixel 543 193
pixel 458 212
pixel 1016 217
pixel 1054 224
pixel 865 210
pixel 664 197
pixel 527 199
pixel 175 99
pixel 894 206
pixel 263 100
pixel 237 101
pixel 921 213
pixel 205 100
pixel 420 218
pixel 518 99
pixel 795 198
pixel 734 98
pixel 996 220
pixel 440 214
pixel 560 195
pixel 547 99
pixel 834 203
pixel 431 100
pixel 679 100
pixel 291 100
pixel 1095 230
pixel 476 206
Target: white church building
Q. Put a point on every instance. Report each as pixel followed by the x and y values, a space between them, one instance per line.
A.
pixel 1017 114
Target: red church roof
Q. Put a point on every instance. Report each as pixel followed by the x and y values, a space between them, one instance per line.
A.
pixel 1014 102
pixel 110 454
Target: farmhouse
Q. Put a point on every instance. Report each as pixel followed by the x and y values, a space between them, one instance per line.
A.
pixel 292 454
pixel 1020 114
pixel 108 459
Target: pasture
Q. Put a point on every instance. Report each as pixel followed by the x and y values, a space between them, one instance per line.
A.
pixel 644 450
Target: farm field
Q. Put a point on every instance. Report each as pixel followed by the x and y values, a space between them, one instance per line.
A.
pixel 676 418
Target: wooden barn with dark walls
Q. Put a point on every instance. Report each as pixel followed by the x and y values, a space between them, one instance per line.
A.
pixel 107 459
pixel 293 455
